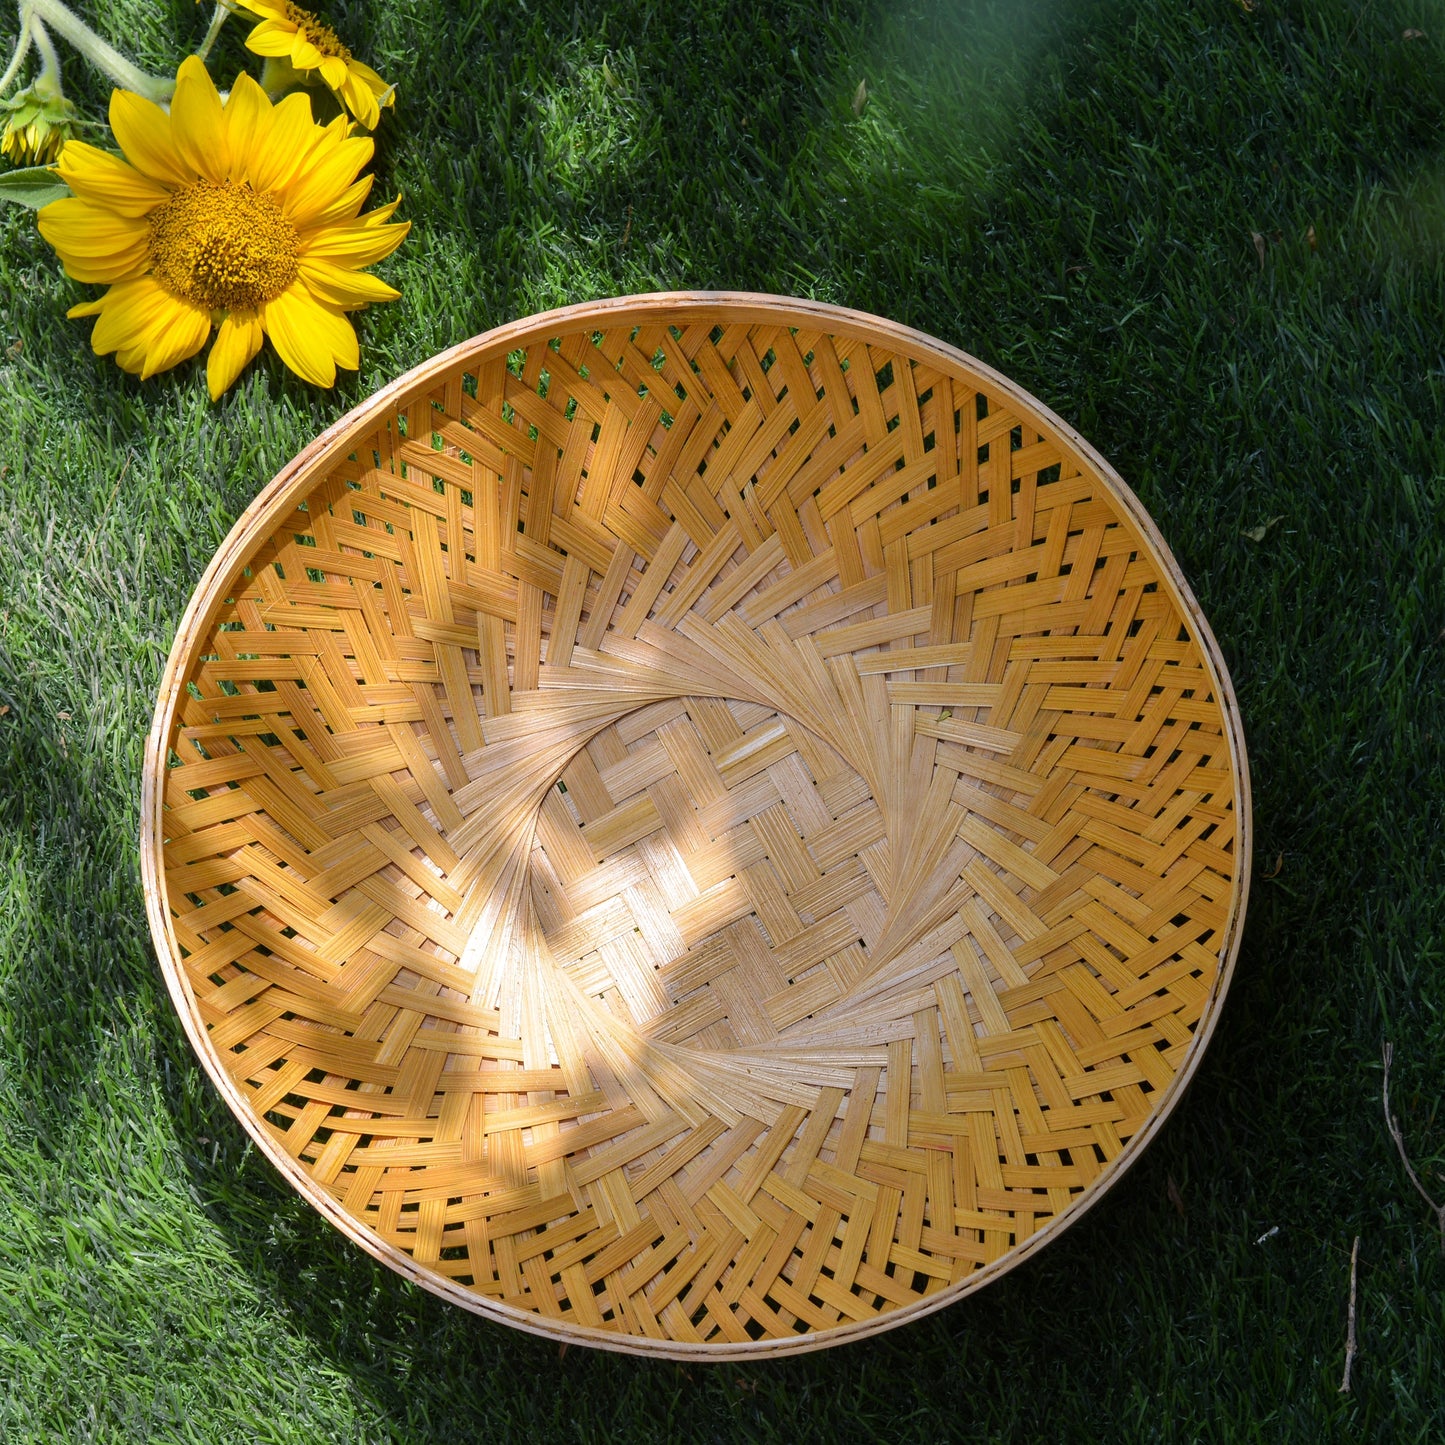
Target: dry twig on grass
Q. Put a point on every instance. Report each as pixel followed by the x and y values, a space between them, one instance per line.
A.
pixel 1351 1340
pixel 1392 1124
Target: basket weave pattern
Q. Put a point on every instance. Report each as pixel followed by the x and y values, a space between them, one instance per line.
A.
pixel 698 828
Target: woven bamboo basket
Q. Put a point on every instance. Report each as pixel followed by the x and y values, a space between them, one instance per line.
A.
pixel 702 824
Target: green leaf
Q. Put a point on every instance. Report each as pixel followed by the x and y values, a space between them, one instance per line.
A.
pixel 34 186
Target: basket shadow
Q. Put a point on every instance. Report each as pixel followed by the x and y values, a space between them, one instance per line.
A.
pixel 429 1368
pixel 74 925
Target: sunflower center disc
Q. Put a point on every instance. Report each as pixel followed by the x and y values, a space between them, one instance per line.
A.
pixel 321 35
pixel 225 247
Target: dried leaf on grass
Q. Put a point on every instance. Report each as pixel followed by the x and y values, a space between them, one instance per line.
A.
pixel 1258 534
pixel 1175 1197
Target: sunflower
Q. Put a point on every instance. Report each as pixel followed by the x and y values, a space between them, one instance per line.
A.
pixel 246 216
pixel 37 122
pixel 296 36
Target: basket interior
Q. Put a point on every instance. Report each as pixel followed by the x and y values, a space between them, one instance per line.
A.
pixel 698 829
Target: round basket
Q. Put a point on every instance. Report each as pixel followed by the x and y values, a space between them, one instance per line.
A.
pixel 699 824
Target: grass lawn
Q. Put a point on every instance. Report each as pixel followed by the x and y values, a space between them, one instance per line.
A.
pixel 1210 236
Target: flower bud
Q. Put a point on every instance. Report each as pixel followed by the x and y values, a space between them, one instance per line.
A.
pixel 36 125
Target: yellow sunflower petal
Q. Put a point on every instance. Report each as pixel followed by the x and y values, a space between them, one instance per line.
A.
pixel 238 340
pixel 359 100
pixel 346 205
pixel 271 38
pixel 343 288
pixel 143 130
pixel 197 126
pixel 182 332
pixel 288 322
pixel 354 245
pixel 87 308
pixel 330 172
pixel 309 336
pixel 372 80
pixel 132 359
pixel 82 228
pixel 97 175
pixel 248 124
pixel 341 337
pixel 293 136
pixel 269 9
pixel 304 55
pixel 132 311
pixel 148 329
pixel 333 71
pixel 94 244
pixel 381 214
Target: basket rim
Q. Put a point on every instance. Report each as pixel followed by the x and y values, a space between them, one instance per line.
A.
pixel 294 479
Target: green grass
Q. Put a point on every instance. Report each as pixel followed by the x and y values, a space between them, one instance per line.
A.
pixel 1066 190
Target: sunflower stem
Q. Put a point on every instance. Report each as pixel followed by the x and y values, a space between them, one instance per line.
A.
pixel 22 49
pixel 218 19
pixel 47 83
pixel 100 53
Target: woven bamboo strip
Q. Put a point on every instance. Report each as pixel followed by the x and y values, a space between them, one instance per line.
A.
pixel 702 825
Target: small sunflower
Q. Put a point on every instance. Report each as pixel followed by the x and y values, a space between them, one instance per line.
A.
pixel 37 122
pixel 296 36
pixel 245 216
